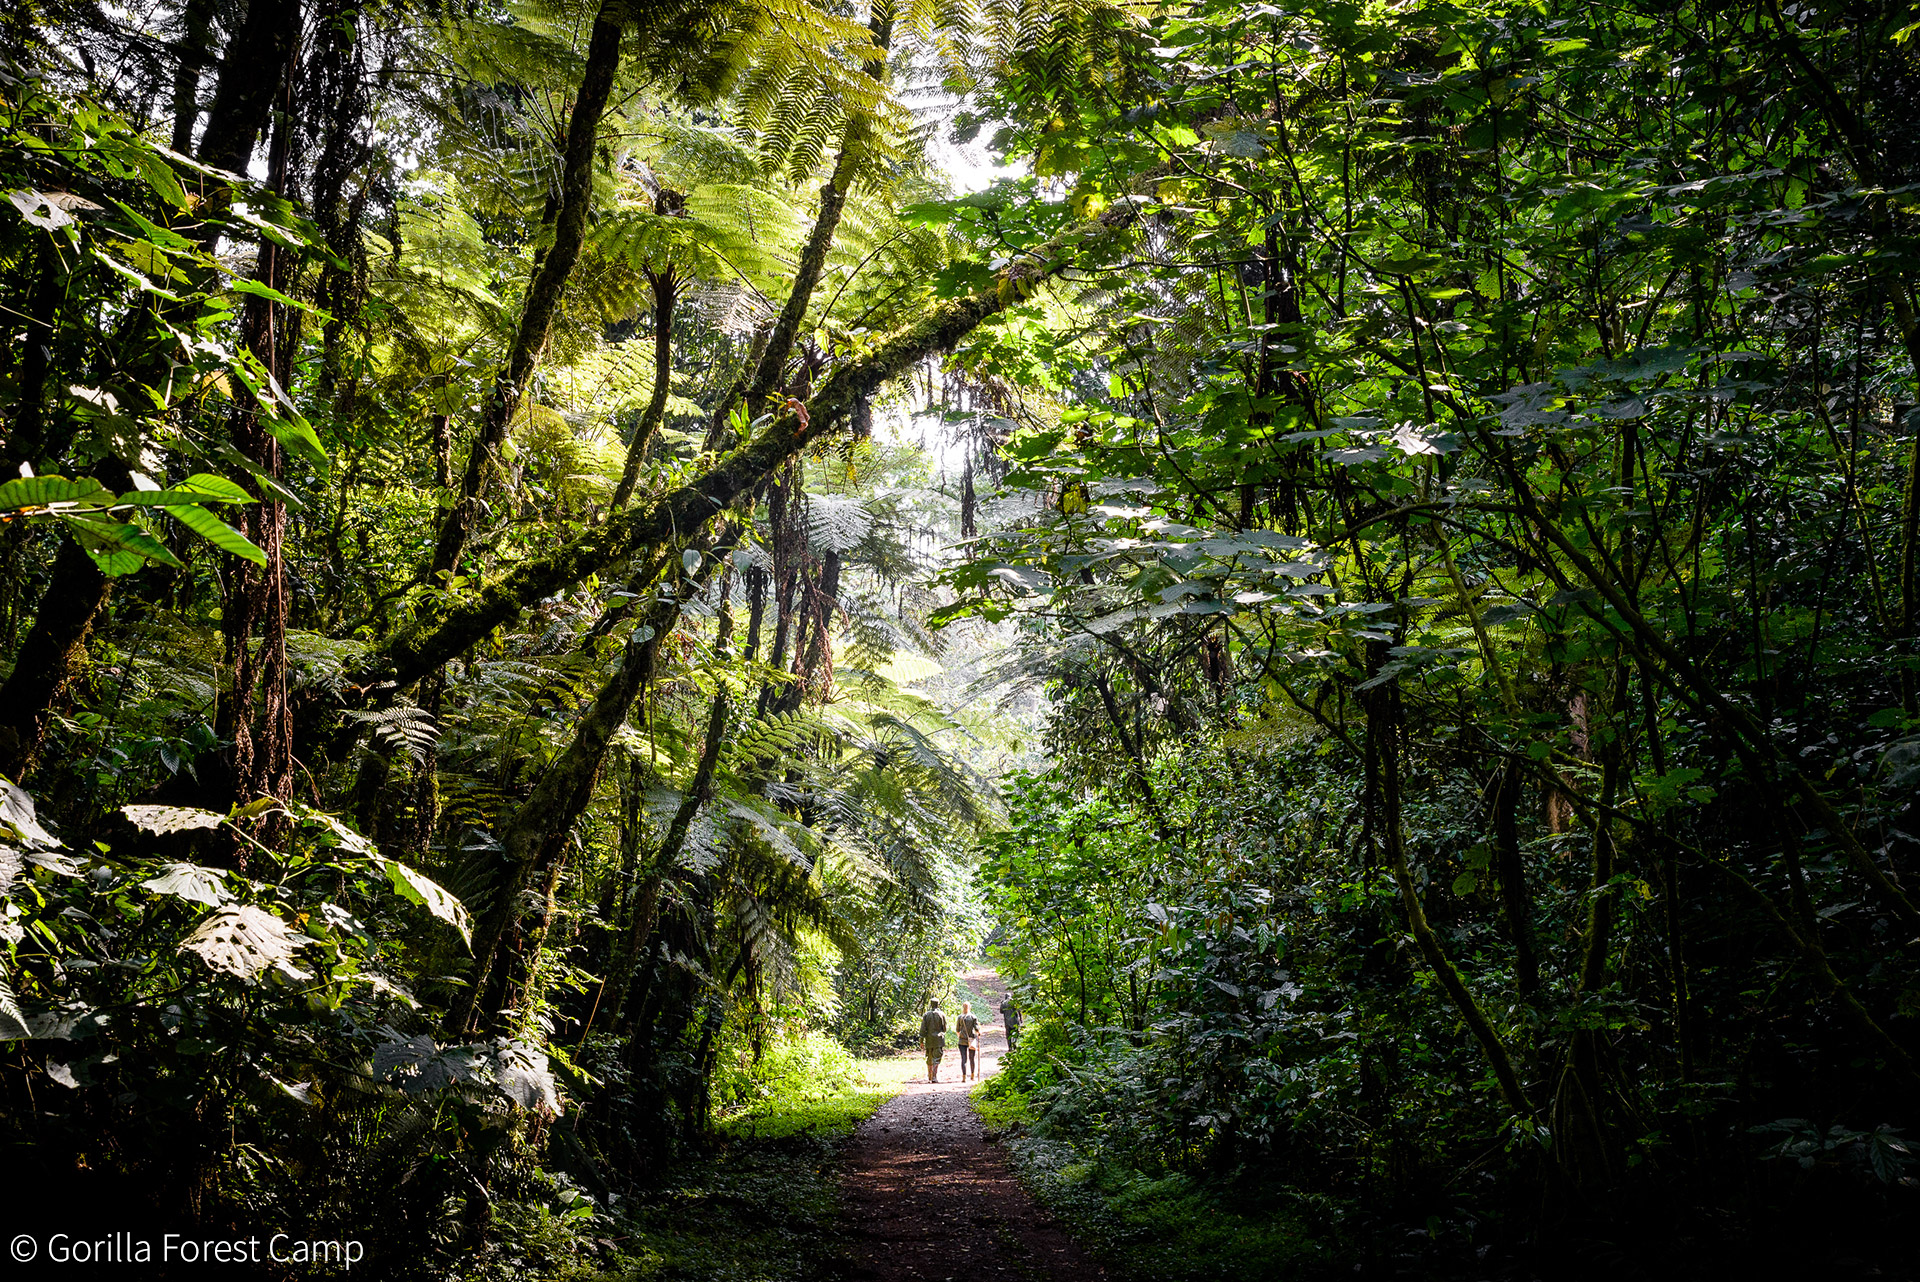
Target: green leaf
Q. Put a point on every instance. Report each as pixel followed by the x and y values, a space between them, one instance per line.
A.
pixel 1410 266
pixel 190 881
pixel 44 491
pixel 201 487
pixel 297 435
pixel 429 894
pixel 216 531
pixel 248 286
pixel 159 175
pixel 245 941
pixel 277 414
pixel 118 549
pixel 153 232
pixel 166 819
pixel 272 231
pixel 18 822
pixel 137 279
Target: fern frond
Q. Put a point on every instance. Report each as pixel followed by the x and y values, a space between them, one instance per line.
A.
pixel 836 522
pixel 402 727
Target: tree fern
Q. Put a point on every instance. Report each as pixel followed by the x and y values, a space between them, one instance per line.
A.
pixel 800 733
pixel 404 728
pixel 835 522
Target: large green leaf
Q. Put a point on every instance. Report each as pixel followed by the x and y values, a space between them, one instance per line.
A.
pixel 118 549
pixel 297 435
pixel 44 491
pixel 166 819
pixel 18 822
pixel 201 487
pixel 216 531
pixel 190 881
pixel 254 287
pixel 277 414
pixel 246 941
pixel 429 894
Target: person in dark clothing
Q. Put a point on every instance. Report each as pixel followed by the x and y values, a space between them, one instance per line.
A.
pixel 933 1039
pixel 1010 1016
pixel 966 1031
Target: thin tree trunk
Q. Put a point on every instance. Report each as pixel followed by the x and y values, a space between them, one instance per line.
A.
pixel 698 793
pixel 826 224
pixel 700 790
pixel 1384 738
pixel 756 610
pixel 1586 1099
pixel 262 752
pixel 27 443
pixel 1514 899
pixel 543 294
pixel 665 288
pixel 814 668
pixel 50 657
pixel 195 40
pixel 1136 758
pixel 1910 567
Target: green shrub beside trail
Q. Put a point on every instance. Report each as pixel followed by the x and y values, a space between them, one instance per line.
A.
pixel 811 1084
pixel 1149 1225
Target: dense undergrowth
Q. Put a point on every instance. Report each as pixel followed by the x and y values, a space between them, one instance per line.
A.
pixel 760 1204
pixel 1159 1223
pixel 764 1206
pixel 1291 1098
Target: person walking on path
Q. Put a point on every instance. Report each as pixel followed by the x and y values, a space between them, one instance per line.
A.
pixel 933 1036
pixel 1010 1016
pixel 966 1031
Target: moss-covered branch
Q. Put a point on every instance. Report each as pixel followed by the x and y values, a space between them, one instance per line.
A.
pixel 456 621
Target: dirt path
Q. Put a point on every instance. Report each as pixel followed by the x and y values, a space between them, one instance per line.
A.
pixel 929 1197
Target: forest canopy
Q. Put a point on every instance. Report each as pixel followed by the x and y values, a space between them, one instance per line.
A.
pixel 561 573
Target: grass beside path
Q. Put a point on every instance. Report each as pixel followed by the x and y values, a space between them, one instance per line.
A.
pixel 1168 1227
pixel 830 1104
pixel 764 1206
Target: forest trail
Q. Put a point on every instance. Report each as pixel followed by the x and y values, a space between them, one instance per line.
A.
pixel 930 1197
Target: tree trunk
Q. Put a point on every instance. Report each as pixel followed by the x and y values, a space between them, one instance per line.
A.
pixel 196 38
pixel 250 78
pixel 50 657
pixel 1383 737
pixel 826 224
pixel 814 668
pixel 665 288
pixel 541 823
pixel 27 443
pixel 1514 899
pixel 543 294
pixel 262 753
